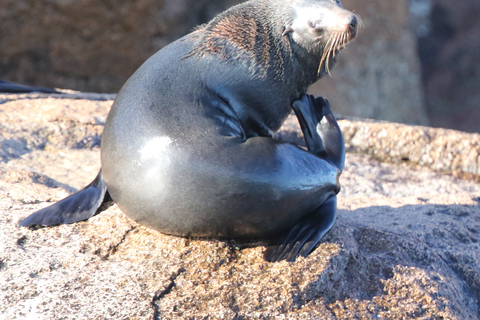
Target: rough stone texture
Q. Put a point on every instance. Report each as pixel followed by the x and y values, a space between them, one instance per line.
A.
pixel 451 151
pixel 95 46
pixel 405 245
pixel 449 50
pixel 438 149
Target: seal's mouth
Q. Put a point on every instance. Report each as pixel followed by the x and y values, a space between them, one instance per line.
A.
pixel 339 38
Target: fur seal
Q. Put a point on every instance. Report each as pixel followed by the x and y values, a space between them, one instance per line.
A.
pixel 187 148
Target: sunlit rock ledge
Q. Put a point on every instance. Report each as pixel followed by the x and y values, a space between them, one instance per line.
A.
pixel 405 244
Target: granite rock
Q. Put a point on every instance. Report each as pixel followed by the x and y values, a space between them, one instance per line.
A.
pixel 405 244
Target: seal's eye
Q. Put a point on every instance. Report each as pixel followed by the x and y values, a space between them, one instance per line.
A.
pixel 317 25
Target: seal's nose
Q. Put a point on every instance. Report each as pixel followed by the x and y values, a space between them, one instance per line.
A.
pixel 351 21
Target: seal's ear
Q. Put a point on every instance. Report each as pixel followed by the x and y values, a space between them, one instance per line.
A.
pixel 288 29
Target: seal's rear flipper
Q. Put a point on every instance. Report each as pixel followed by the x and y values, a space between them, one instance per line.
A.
pixel 321 132
pixel 76 207
pixel 304 236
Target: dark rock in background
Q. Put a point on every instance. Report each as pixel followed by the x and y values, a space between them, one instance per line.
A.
pixel 91 45
pixel 448 34
pixel 95 46
pixel 378 75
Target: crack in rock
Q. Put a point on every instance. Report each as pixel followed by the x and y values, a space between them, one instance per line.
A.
pixel 114 247
pixel 162 293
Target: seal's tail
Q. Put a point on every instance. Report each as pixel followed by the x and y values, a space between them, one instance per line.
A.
pixel 76 207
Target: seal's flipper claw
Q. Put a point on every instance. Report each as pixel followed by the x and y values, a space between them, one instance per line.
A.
pixel 76 207
pixel 303 238
pixel 277 250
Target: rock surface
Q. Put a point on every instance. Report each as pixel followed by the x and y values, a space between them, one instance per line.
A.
pixel 405 245
pixel 95 46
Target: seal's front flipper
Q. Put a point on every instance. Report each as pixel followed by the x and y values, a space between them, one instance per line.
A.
pixel 304 236
pixel 76 207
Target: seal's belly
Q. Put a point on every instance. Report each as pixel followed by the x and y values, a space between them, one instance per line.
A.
pixel 222 187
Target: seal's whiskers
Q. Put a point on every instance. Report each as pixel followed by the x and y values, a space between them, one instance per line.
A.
pixel 334 44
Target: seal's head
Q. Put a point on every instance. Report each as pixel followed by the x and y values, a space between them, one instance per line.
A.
pixel 293 41
pixel 322 28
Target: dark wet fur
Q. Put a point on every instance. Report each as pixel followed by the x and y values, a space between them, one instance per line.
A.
pixel 305 235
pixel 325 140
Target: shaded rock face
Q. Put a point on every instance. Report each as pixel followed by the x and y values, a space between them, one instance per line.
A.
pixel 449 51
pixel 95 46
pixel 378 75
pixel 405 244
pixel 89 45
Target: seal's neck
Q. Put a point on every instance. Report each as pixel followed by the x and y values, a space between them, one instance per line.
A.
pixel 252 33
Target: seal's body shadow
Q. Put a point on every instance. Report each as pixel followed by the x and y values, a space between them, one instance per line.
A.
pixel 432 247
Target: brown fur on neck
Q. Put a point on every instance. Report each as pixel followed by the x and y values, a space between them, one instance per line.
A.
pixel 250 33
